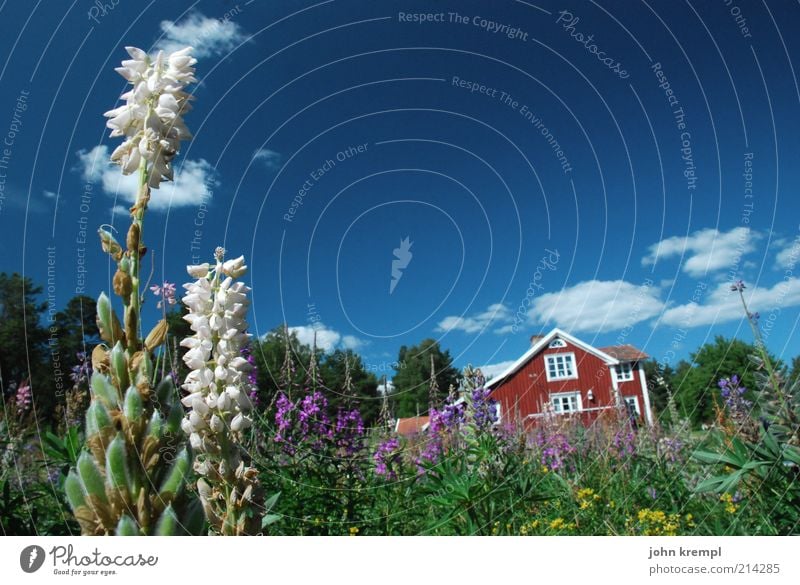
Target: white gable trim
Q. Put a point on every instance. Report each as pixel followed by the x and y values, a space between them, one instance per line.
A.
pixel 542 344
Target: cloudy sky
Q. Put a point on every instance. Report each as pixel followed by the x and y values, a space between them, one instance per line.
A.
pixel 470 171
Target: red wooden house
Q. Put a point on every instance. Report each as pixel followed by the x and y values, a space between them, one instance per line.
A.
pixel 563 375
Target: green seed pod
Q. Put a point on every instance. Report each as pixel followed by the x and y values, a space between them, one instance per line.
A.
pixel 134 406
pixel 168 524
pixel 127 527
pixel 104 311
pixel 119 365
pixel 156 425
pixel 74 491
pixel 97 419
pixel 194 519
pixel 117 465
pixel 166 394
pixel 174 419
pixel 104 390
pixel 125 265
pixel 175 478
pixel 91 478
pixel 146 367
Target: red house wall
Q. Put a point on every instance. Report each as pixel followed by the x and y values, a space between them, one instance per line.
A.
pixel 526 391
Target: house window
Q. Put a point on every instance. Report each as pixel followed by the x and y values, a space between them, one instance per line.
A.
pixel 633 405
pixel 561 366
pixel 557 343
pixel 566 402
pixel 624 372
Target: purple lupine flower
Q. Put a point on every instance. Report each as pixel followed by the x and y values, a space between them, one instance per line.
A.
pixel 452 415
pixel 387 458
pixel 82 371
pixel 671 448
pixel 732 393
pixel 165 293
pixel 484 413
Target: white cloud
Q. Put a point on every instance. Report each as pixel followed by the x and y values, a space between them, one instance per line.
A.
pixel 389 386
pixel 492 370
pixel 495 313
pixel 724 305
pixel 190 188
pixel 706 250
pixel 597 305
pixel 270 158
pixel 49 194
pixel 789 255
pixel 208 36
pixel 327 339
pixel 120 210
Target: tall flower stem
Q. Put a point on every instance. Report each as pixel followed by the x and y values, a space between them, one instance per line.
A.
pixel 134 306
pixel 131 477
pixel 762 350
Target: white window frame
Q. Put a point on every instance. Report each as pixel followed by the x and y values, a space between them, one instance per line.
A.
pixel 557 343
pixel 555 356
pixel 558 395
pixel 632 400
pixel 628 376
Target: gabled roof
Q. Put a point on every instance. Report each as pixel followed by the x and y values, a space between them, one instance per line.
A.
pixel 542 344
pixel 411 426
pixel 625 353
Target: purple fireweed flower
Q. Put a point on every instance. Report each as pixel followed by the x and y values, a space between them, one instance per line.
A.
pixel 23 398
pixel 165 293
pixel 434 441
pixel 387 458
pixel 349 431
pixel 623 446
pixel 252 375
pixel 555 449
pixel 302 424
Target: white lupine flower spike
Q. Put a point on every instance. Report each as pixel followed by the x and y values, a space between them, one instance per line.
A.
pixel 217 394
pixel 151 120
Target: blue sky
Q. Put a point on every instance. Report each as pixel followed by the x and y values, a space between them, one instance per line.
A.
pixel 606 168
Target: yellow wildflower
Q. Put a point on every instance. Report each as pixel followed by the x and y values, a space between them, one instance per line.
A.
pixel 353 530
pixel 557 524
pixel 730 507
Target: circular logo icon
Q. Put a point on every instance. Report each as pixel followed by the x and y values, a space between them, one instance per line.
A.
pixel 31 558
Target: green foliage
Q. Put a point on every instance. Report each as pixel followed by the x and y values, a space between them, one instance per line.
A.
pixel 23 339
pixel 364 384
pixel 696 390
pixel 411 382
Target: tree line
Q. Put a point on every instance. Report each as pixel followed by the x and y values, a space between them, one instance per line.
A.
pixel 43 348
